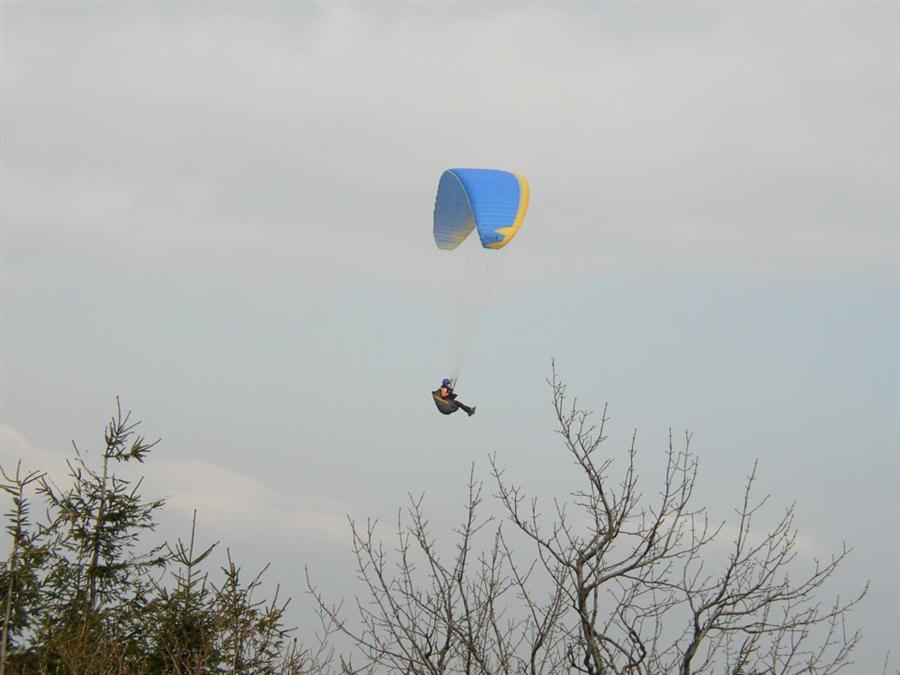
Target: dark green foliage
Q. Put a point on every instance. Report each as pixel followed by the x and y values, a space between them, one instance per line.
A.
pixel 82 594
pixel 183 620
pixel 252 631
pixel 18 575
pixel 95 582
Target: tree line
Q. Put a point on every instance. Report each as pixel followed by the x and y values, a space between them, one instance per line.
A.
pixel 608 579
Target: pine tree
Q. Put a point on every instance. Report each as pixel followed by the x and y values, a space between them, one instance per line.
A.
pixel 83 594
pixel 19 580
pixel 95 582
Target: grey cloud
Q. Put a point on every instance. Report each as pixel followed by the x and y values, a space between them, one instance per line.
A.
pixel 699 136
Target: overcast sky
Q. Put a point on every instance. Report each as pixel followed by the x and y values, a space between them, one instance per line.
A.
pixel 221 212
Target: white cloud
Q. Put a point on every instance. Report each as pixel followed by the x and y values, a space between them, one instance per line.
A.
pixel 230 505
pixel 15 447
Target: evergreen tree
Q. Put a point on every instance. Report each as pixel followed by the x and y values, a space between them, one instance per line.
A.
pixel 19 578
pixel 95 583
pixel 83 594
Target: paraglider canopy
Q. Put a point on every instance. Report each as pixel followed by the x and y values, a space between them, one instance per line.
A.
pixel 493 204
pixel 491 201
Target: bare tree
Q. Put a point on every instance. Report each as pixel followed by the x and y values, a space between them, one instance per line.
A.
pixel 443 616
pixel 618 582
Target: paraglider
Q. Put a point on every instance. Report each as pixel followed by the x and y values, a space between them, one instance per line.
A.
pixel 445 399
pixel 492 203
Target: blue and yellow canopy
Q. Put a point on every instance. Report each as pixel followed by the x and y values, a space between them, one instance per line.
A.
pixel 491 201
